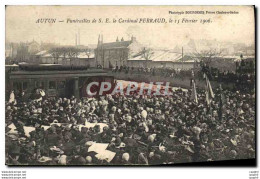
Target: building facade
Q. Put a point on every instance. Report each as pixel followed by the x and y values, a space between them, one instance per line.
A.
pixel 110 55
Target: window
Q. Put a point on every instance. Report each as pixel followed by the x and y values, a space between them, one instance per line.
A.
pixel 25 85
pixel 52 84
pixel 17 86
pixel 39 84
pixel 61 84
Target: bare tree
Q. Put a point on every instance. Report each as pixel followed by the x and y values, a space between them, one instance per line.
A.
pixel 56 53
pixel 59 52
pixel 146 54
pixel 87 52
pixel 73 52
pixel 65 52
pixel 206 56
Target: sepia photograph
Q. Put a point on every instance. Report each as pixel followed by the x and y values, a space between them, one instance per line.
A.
pixel 130 85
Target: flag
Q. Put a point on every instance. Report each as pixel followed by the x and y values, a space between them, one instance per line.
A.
pixel 221 102
pixel 194 92
pixel 192 74
pixel 210 88
pixel 12 97
pixel 192 79
pixel 208 91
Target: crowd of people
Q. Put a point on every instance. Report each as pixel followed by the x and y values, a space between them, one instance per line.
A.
pixel 140 130
pixel 154 71
pixel 242 79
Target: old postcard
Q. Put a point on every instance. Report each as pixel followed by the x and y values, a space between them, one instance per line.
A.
pixel 130 85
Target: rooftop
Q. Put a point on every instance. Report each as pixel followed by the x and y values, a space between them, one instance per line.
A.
pixel 119 44
pixel 81 55
pixel 165 56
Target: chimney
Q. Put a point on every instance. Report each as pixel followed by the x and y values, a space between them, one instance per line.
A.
pixel 122 39
pixel 98 39
pixel 117 39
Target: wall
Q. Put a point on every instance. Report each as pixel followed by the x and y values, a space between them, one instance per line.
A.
pixel 114 56
pixel 47 60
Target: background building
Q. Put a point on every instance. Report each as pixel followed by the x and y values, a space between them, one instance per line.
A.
pixel 84 59
pixel 110 55
pixel 162 59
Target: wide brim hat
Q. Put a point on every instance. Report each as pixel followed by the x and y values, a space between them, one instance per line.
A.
pixel 44 159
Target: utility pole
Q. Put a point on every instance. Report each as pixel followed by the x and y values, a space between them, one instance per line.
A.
pixel 182 56
pixel 76 40
pixel 78 37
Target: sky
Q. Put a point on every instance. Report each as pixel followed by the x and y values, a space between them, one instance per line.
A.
pixel 21 24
